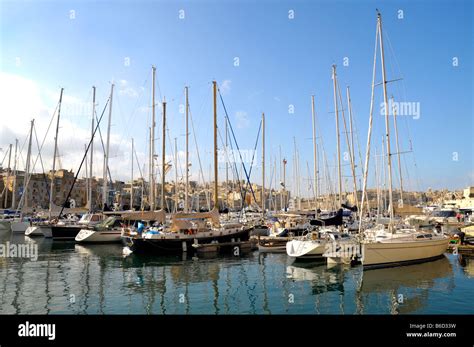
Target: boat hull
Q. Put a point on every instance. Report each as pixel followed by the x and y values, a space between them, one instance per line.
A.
pixel 305 249
pixel 178 245
pixel 34 230
pixel 64 232
pixel 19 227
pixel 388 254
pixel 99 236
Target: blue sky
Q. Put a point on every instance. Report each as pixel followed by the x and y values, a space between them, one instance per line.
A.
pixel 282 61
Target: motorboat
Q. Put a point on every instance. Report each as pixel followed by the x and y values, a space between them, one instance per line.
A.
pixel 108 231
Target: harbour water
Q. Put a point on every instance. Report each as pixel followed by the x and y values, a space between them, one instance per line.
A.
pixel 68 278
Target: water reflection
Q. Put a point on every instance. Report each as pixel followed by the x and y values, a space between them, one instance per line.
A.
pixel 407 287
pixel 77 279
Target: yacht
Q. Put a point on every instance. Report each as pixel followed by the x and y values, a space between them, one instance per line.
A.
pixel 107 231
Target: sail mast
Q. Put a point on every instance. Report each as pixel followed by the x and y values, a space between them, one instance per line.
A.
pixel 151 166
pixel 398 151
pixel 163 159
pixel 263 164
pixel 216 192
pixel 176 197
pixel 351 155
pixel 131 182
pixel 369 134
pixel 107 147
pixel 315 159
pixel 186 192
pixel 26 179
pixel 387 123
pixel 53 173
pixel 89 186
pixel 8 175
pixel 338 137
pixel 14 175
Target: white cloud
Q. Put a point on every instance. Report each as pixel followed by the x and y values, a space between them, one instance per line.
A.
pixel 225 86
pixel 22 99
pixel 127 90
pixel 242 119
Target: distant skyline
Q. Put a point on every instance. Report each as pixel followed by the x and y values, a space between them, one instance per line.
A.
pixel 267 57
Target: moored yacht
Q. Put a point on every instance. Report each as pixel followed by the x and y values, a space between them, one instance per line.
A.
pixel 107 231
pixel 65 231
pixel 185 229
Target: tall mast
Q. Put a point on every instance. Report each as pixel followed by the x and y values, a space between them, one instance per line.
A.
pixel 284 183
pixel 163 159
pixel 216 192
pixel 8 175
pixel 384 176
pixel 351 154
pixel 107 146
pixel 87 174
pixel 92 151
pixel 315 159
pixel 14 175
pixel 186 192
pixel 281 180
pixel 176 197
pixel 227 163
pixel 337 135
pixel 369 134
pixel 263 164
pixel 53 173
pixel 377 183
pixel 131 182
pixel 398 151
pixel 151 166
pixel 349 105
pixel 26 179
pixel 387 123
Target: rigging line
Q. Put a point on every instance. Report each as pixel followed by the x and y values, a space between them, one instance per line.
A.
pixel 236 144
pixel 197 152
pixel 5 156
pixel 20 203
pixel 404 92
pixel 252 161
pixel 195 139
pixel 82 162
pixel 103 149
pixel 41 161
pixel 138 164
pixel 233 167
pixel 235 171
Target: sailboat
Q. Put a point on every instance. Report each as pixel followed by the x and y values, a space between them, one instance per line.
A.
pixel 184 229
pixel 19 225
pixel 394 245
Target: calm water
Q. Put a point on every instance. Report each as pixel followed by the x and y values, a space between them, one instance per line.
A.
pixel 74 279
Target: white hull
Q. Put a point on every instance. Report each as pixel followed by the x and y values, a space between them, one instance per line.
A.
pixel 93 236
pixel 19 227
pixel 398 252
pixel 34 230
pixel 306 249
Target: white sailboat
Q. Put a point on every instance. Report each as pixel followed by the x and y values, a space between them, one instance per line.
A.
pixel 394 245
pixel 19 225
